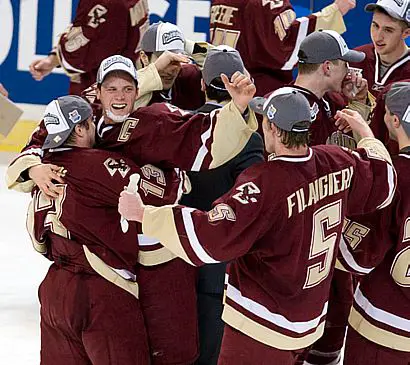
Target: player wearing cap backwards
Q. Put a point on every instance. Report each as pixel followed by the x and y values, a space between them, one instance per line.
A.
pixel 181 83
pixel 100 29
pixel 166 136
pixel 377 246
pixel 280 239
pixel 90 311
pixel 267 34
pixel 387 57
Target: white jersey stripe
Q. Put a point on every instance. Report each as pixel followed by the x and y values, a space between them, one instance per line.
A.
pixel 302 33
pixel 381 315
pixel 391 173
pixel 274 318
pixel 348 257
pixel 193 239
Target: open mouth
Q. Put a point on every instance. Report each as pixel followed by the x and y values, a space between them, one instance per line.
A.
pixel 119 106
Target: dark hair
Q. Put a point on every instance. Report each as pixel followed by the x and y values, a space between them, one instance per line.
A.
pixel 310 68
pixel 72 138
pixel 213 91
pixel 403 23
pixel 120 75
pixel 294 139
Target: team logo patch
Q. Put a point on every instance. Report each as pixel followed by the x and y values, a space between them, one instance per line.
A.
pixel 74 116
pixel 97 16
pixel 271 112
pixel 247 193
pixel 51 119
pixel 172 36
pixel 113 166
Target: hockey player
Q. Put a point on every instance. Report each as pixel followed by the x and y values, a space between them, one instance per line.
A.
pixel 100 29
pixel 169 137
pixel 267 34
pixel 281 238
pixel 387 57
pixel 376 246
pixel 181 82
pixel 90 312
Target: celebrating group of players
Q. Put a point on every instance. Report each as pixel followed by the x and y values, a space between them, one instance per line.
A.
pixel 277 239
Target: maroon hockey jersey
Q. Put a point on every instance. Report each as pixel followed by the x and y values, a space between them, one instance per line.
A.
pixel 377 122
pixel 371 69
pixel 101 28
pixel 267 34
pixel 186 92
pixel 281 238
pixel 377 245
pixel 323 129
pixel 86 213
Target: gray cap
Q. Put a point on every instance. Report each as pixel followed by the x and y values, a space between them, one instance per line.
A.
pixel 221 60
pixel 398 102
pixel 326 45
pixel 61 116
pixel 116 63
pixel 161 37
pixel 398 9
pixel 287 108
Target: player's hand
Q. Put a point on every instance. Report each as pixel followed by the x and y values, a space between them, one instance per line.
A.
pixel 44 176
pixel 345 5
pixel 3 91
pixel 348 119
pixel 131 207
pixel 355 87
pixel 41 68
pixel 241 88
pixel 167 58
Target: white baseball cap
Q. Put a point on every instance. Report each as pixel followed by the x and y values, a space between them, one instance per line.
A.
pixel 398 9
pixel 116 63
pixel 161 37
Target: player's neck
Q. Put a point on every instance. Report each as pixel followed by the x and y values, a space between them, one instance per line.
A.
pixel 403 140
pixel 282 150
pixel 312 83
pixel 389 59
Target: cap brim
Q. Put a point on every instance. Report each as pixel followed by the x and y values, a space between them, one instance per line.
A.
pixel 50 141
pixel 354 56
pixel 256 104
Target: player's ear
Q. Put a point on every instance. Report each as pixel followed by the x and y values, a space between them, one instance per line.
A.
pixel 326 68
pixel 406 33
pixel 203 86
pixel 396 121
pixel 144 59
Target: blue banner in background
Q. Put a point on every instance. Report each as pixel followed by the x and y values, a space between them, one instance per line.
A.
pixel 29 27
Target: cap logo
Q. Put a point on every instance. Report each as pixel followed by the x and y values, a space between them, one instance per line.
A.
pixel 51 119
pixel 172 36
pixel 74 116
pixel 399 3
pixel 116 59
pixel 57 139
pixel 271 112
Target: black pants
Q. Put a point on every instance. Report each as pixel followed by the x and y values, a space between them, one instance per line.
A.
pixel 211 327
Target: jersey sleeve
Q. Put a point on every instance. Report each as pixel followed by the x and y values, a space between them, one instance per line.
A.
pixel 240 216
pixel 374 179
pixel 29 156
pixel 101 29
pixel 168 136
pixel 283 32
pixel 365 241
